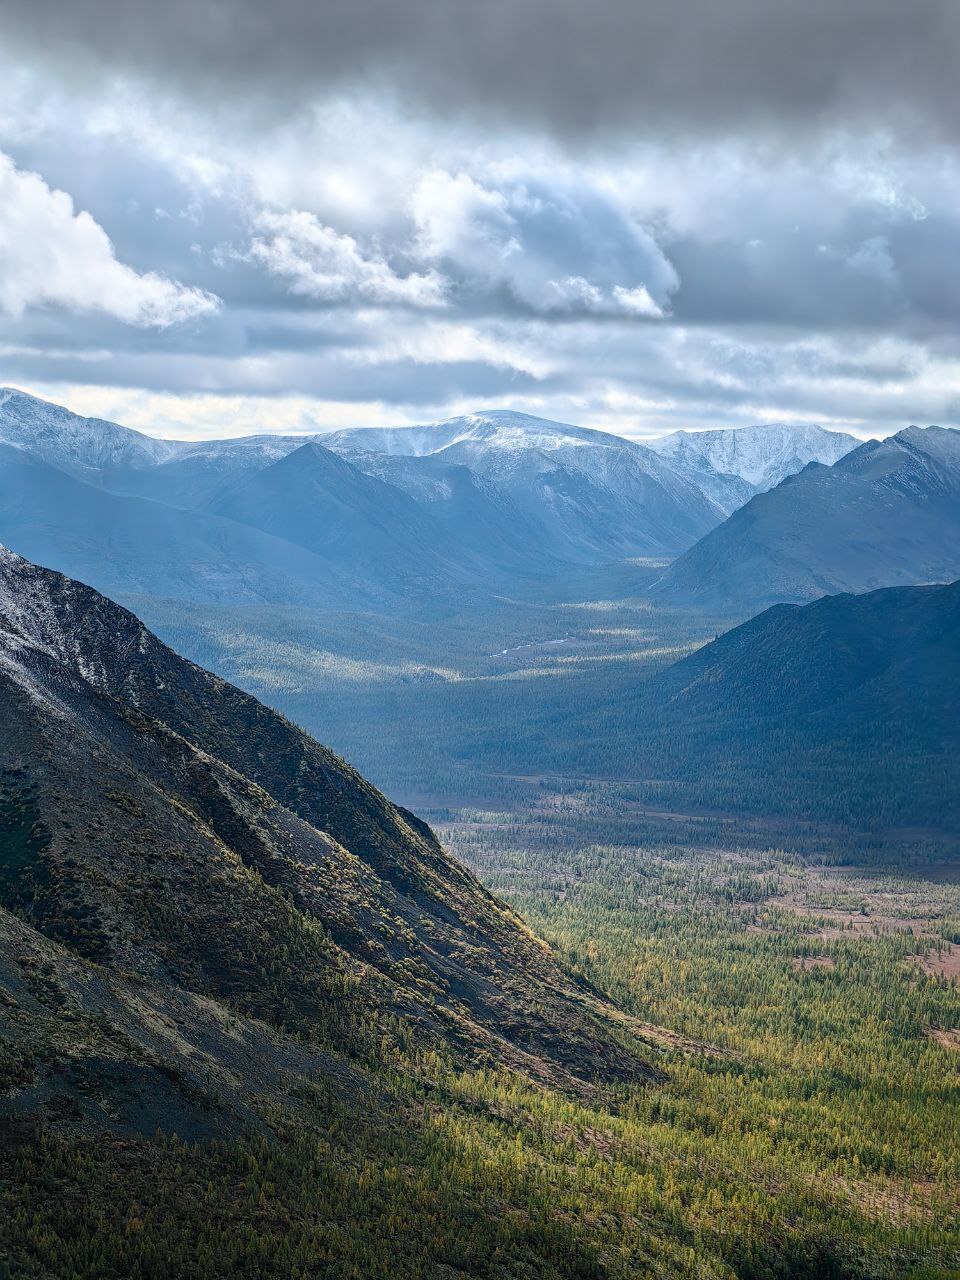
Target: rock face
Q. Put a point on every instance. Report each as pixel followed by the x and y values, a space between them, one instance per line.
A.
pixel 730 466
pixel 208 856
pixel 886 514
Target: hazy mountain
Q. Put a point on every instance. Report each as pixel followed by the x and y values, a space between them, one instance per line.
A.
pixel 84 447
pixel 360 524
pixel 589 495
pixel 886 513
pixel 216 865
pixel 200 471
pixel 730 466
pixel 183 473
pixel 132 545
pixel 473 512
pixel 456 502
pixel 843 710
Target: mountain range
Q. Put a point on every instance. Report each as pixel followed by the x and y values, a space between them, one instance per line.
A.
pixel 886 513
pixel 413 518
pixel 351 518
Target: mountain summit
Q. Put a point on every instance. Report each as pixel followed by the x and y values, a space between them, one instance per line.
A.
pixel 888 513
pixel 731 465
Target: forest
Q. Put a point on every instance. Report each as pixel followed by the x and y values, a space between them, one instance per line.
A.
pixel 808 1125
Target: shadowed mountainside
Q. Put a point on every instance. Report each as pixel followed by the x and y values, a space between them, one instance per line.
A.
pixel 169 830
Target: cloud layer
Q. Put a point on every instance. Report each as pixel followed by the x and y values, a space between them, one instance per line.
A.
pixel 52 255
pixel 564 65
pixel 637 215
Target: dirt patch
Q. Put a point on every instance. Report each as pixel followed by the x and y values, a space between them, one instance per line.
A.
pixel 949 1039
pixel 942 963
pixel 804 963
pixel 897 1201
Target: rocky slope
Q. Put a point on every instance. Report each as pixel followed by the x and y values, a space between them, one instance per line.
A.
pixel 186 868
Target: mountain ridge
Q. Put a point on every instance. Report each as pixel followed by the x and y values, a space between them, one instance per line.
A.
pixel 166 827
pixel 886 513
pixel 733 464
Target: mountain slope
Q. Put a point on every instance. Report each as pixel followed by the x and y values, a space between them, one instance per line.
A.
pixel 162 824
pixel 361 524
pixel 589 495
pixel 730 466
pixel 846 709
pixel 885 514
pixel 200 471
pixel 132 545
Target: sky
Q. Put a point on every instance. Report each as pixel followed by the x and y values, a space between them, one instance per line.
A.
pixel 222 216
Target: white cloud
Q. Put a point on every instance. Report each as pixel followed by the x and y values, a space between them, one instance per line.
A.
pixel 319 262
pixel 556 248
pixel 53 256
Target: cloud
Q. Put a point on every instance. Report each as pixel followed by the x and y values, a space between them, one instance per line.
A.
pixel 407 264
pixel 51 255
pixel 562 65
pixel 318 262
pixel 554 249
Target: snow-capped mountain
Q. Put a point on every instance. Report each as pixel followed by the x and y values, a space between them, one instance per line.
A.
pixel 731 465
pixel 498 429
pixel 183 472
pixel 586 495
pixel 80 446
pixel 886 514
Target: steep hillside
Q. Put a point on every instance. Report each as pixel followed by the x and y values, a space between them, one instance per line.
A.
pixel 730 466
pixel 160 824
pixel 846 709
pixel 885 514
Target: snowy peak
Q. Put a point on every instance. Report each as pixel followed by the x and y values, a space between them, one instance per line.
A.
pixel 80 446
pixel 498 429
pixel 733 464
pixel 760 455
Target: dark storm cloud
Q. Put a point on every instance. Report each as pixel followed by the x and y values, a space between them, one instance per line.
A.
pixel 572 66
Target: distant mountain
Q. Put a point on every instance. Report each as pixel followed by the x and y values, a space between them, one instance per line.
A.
pixel 589 496
pixel 466 504
pixel 886 513
pixel 472 511
pixel 373 530
pixel 843 710
pixel 730 466
pixel 129 545
pixel 197 878
pixel 84 447
pixel 200 471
